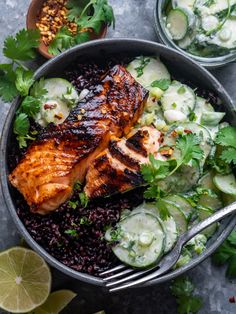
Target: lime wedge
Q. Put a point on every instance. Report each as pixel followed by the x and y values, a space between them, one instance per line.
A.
pixel 56 302
pixel 25 280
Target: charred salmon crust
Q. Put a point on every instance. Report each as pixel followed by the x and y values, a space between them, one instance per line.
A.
pixel 62 154
pixel 117 169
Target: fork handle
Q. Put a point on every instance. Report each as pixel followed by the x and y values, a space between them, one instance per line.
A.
pixel 196 229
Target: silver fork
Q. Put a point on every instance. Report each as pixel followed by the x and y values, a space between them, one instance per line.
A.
pixel 122 277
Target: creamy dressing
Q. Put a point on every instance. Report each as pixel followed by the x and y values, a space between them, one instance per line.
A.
pixel 210 31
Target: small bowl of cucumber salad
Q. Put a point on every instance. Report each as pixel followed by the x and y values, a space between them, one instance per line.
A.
pixel 202 29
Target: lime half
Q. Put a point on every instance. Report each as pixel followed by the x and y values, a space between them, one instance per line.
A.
pixel 56 302
pixel 25 280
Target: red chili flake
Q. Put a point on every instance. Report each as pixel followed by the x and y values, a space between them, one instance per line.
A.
pixel 188 131
pixel 50 106
pixel 161 138
pixel 174 134
pixel 232 300
pixel 58 116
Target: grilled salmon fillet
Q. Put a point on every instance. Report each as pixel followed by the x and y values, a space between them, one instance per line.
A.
pixel 62 154
pixel 117 169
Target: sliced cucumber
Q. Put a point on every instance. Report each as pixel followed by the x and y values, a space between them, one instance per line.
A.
pixel 228 199
pixel 202 105
pixel 212 118
pixel 177 23
pixel 206 142
pixel 210 202
pixel 186 41
pixel 180 201
pixel 210 23
pixel 178 97
pixel 56 105
pixel 204 213
pixel 178 215
pixel 225 183
pixel 152 69
pixel 206 182
pixel 187 4
pixel 168 224
pixel 142 240
pixel 185 178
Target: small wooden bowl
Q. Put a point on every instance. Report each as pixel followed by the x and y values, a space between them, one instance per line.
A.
pixel 31 20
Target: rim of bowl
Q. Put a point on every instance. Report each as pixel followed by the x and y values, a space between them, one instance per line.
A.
pixel 95 280
pixel 164 38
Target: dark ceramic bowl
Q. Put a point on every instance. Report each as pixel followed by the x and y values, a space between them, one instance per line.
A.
pixel 181 67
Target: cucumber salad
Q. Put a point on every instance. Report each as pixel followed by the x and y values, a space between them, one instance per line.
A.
pixel 191 178
pixel 204 28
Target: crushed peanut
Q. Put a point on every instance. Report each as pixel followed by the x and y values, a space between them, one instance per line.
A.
pixel 51 18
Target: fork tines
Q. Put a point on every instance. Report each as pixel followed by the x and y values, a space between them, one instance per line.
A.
pixel 121 274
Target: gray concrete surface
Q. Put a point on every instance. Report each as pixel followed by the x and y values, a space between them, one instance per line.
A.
pixel 134 18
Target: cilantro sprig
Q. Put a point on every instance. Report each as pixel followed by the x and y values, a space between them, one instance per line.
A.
pixel 88 15
pixel 15 77
pixel 226 138
pixel 183 289
pixel 226 254
pixel 189 153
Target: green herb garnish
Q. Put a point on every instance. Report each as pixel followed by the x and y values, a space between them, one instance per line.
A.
pixel 83 199
pixel 143 63
pixel 182 288
pixel 72 232
pixel 188 145
pixel 163 84
pixel 73 204
pixel 85 221
pixel 226 137
pixel 226 254
pixel 181 90
pixel 87 15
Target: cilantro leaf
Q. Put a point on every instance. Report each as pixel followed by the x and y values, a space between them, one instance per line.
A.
pixel 164 212
pixel 82 37
pixel 189 147
pixel 231 270
pixel 30 106
pixel 232 238
pixel 63 40
pixel 102 13
pixel 75 8
pixel 21 124
pixel 109 16
pixel 24 80
pixel 73 204
pixel 181 90
pixel 8 90
pixel 229 155
pixel 182 288
pixel 227 136
pixel 143 63
pixel 163 84
pixel 226 253
pixel 85 221
pixel 157 169
pixel 83 199
pixel 72 232
pixel 38 90
pixel 22 46
pixel 189 305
